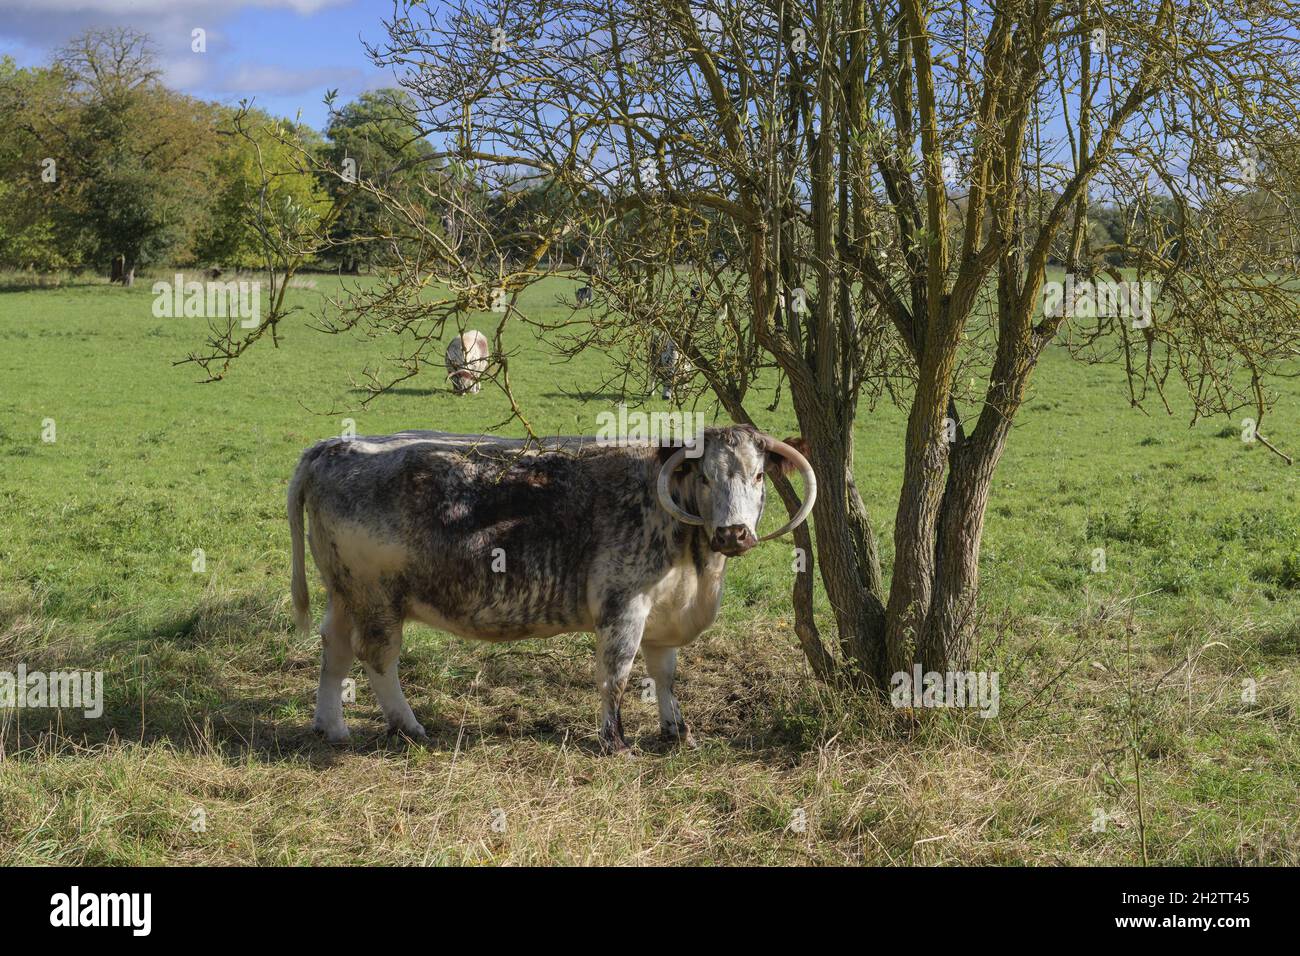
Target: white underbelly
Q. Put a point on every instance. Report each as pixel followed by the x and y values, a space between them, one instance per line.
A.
pixel 683 604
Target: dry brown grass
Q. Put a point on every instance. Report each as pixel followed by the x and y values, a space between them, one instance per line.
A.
pixel 225 730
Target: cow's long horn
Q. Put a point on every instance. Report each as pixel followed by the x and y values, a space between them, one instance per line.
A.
pixel 665 497
pixel 809 487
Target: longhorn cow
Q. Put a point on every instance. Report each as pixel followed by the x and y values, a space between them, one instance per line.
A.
pixel 498 540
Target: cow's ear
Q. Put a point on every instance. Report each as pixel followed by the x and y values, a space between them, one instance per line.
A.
pixel 779 464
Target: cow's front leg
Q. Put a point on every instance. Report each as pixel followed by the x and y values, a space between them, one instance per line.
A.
pixel 379 651
pixel 661 664
pixel 617 640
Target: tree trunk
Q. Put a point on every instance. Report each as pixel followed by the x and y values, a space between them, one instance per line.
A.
pixel 948 634
pixel 946 638
pixel 122 271
pixel 926 453
pixel 847 550
pixel 801 597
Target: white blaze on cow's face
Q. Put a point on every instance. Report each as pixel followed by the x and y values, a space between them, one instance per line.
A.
pixel 732 493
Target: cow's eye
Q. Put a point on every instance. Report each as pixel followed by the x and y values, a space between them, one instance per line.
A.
pixel 758 479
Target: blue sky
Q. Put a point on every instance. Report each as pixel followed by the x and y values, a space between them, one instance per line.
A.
pixel 283 53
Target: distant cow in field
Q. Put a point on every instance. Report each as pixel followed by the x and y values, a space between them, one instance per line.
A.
pixel 495 540
pixel 584 295
pixel 467 359
pixel 668 365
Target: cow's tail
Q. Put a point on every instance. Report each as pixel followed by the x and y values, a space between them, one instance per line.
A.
pixel 298 587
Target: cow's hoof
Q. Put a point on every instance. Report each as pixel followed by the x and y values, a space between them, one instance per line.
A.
pixel 615 747
pixel 414 731
pixel 333 734
pixel 678 736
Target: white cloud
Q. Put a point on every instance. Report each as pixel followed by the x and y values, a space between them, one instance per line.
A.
pixel 155 7
pixel 269 80
pixel 32 29
pixel 51 23
pixel 185 73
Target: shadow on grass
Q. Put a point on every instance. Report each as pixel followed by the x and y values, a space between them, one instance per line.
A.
pixel 239 728
pixel 229 678
pixel 404 391
pixel 596 396
pixel 37 283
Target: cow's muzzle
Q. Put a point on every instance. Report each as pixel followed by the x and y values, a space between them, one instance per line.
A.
pixel 733 540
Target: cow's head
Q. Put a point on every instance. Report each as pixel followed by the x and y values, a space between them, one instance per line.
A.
pixel 462 381
pixel 725 484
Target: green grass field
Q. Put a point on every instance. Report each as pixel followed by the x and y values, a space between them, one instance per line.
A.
pixel 203 754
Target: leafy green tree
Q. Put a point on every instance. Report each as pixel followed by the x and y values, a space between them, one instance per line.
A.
pixel 134 152
pixel 262 165
pixel 376 138
pixel 37 229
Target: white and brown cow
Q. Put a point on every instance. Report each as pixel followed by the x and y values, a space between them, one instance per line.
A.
pixel 491 539
pixel 467 360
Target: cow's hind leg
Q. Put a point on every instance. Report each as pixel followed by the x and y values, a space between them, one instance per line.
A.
pixel 335 661
pixel 379 647
pixel 661 663
pixel 617 641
